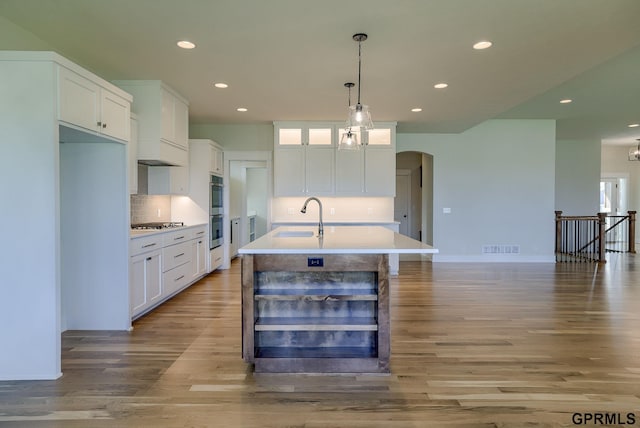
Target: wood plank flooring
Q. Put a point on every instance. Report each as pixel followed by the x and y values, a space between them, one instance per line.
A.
pixel 473 345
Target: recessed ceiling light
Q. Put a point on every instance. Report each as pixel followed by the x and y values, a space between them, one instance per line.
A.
pixel 221 85
pixel 566 101
pixel 440 85
pixel 416 110
pixel 185 44
pixel 634 125
pixel 241 109
pixel 484 44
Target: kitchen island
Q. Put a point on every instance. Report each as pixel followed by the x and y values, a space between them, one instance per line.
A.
pixel 320 303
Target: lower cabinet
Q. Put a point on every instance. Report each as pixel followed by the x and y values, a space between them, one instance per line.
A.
pixel 145 281
pixel 162 264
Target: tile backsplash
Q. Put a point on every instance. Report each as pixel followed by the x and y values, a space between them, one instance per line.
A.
pixel 150 208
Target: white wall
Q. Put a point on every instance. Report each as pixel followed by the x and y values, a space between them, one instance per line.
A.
pixel 498 179
pixel 29 185
pixel 577 177
pixel 236 137
pixel 615 162
pixel 94 233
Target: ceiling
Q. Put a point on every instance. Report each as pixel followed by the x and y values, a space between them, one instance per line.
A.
pixel 289 59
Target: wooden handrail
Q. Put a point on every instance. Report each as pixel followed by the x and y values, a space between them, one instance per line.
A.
pixel 576 239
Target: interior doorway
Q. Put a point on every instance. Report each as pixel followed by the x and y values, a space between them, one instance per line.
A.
pixel 402 201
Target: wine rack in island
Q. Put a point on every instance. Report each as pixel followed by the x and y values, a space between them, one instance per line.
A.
pixel 326 313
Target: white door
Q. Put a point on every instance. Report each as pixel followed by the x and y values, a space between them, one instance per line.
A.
pixel 402 201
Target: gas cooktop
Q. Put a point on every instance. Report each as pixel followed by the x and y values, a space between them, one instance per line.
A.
pixel 157 225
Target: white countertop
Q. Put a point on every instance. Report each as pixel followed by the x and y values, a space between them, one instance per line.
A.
pixel 137 233
pixel 336 240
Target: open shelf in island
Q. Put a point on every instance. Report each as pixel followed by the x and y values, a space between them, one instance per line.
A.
pixel 332 318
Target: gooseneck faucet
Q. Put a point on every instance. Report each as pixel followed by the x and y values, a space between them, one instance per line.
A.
pixel 304 210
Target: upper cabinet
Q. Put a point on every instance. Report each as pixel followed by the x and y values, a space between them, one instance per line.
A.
pixel 163 122
pixel 370 171
pixel 304 158
pixel 86 104
pixel 217 159
pixel 132 155
pixel 308 162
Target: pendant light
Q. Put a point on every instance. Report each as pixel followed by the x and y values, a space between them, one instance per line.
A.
pixel 349 140
pixel 359 114
pixel 634 152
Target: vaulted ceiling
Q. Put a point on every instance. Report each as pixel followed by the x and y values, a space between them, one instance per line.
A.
pixel 289 59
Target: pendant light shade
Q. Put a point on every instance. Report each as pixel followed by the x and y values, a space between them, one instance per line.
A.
pixel 359 114
pixel 349 139
pixel 634 152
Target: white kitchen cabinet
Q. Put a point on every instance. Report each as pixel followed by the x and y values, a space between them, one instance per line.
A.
pixel 133 155
pixel 163 120
pixel 92 107
pixel 371 170
pixel 307 161
pixel 200 253
pixel 145 273
pixel 217 159
pixel 145 281
pixel 304 159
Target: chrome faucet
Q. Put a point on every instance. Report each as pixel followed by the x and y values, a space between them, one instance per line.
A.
pixel 304 210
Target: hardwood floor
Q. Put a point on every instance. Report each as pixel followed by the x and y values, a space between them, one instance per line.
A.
pixel 472 345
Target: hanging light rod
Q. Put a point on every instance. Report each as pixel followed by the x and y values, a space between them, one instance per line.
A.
pixel 359 114
pixel 349 140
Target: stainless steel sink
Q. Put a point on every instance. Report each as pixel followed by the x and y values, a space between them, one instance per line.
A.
pixel 294 234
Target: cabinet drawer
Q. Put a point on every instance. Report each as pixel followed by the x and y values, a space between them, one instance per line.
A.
pixel 198 232
pixel 216 257
pixel 175 255
pixel 176 237
pixel 144 244
pixel 175 279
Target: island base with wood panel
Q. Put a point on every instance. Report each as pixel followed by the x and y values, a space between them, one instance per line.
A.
pixel 316 313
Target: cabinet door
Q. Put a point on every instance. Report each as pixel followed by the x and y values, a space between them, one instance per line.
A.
pixel 181 123
pixel 289 172
pixel 79 100
pixel 349 172
pixel 319 171
pixel 133 156
pixel 145 282
pixel 153 271
pixel 115 115
pixel 379 172
pixel 137 290
pixel 167 117
pixel 201 256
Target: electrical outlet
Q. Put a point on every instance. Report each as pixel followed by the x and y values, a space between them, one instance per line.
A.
pixel 159 213
pixel 446 211
pixel 332 211
pixel 290 211
pixel 370 211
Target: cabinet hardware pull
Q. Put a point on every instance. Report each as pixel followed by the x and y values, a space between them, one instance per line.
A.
pixel 200 233
pixel 149 245
pixel 178 237
pixel 178 255
pixel 199 242
pixel 149 258
pixel 99 124
pixel 179 278
pixel 104 125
